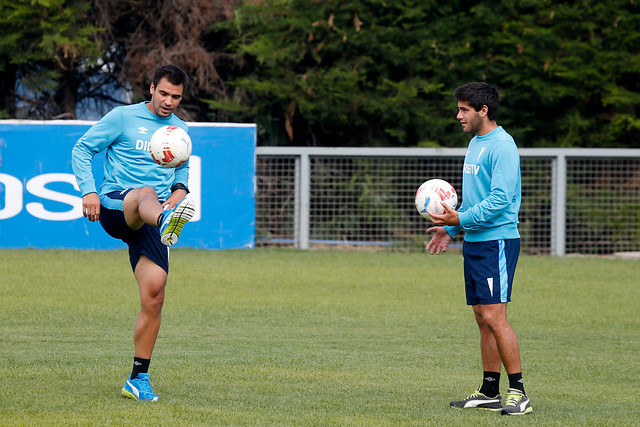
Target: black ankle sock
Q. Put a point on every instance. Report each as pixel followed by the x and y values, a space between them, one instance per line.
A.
pixel 515 381
pixel 140 366
pixel 160 218
pixel 490 384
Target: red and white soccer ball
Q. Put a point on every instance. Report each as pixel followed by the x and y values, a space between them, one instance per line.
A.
pixel 170 146
pixel 431 194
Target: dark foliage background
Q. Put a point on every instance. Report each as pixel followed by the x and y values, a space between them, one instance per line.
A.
pixel 337 72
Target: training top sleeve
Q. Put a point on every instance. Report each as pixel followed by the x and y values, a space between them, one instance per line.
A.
pixel 95 140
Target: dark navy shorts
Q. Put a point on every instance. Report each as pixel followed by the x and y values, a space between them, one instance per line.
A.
pixel 488 270
pixel 145 241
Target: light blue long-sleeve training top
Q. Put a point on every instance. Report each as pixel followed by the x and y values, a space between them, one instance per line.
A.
pixel 124 133
pixel 491 189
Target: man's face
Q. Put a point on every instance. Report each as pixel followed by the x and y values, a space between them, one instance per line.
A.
pixel 472 121
pixel 165 97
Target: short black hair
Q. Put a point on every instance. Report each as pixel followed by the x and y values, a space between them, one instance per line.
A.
pixel 173 73
pixel 478 94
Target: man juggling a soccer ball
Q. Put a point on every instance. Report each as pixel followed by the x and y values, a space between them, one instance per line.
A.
pixel 489 217
pixel 140 202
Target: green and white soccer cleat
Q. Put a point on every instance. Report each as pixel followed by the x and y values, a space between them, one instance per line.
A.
pixel 517 403
pixel 174 219
pixel 479 401
pixel 139 389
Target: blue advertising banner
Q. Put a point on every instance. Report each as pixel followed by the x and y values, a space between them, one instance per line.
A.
pixel 41 204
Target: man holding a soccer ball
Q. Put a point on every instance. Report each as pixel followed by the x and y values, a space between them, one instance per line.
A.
pixel 491 191
pixel 139 202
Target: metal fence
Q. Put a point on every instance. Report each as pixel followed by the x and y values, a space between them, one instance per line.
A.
pixel 573 200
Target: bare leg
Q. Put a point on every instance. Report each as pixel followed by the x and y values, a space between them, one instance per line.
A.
pixel 141 206
pixel 151 282
pixel 491 360
pixel 498 341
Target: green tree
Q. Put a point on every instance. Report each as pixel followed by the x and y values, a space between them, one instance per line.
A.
pixel 340 73
pixel 44 46
pixel 571 70
pixel 56 53
pixel 381 73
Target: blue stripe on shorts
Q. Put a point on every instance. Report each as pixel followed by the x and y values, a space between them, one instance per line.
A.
pixel 502 267
pixel 114 199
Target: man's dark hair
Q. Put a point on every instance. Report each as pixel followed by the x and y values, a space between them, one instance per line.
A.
pixel 173 73
pixel 478 94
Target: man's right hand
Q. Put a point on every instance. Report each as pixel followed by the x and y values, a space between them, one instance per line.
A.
pixel 91 206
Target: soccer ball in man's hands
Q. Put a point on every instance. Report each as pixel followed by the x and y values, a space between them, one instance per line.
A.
pixel 431 194
pixel 170 146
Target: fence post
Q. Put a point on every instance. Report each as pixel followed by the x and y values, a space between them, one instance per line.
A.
pixel 558 208
pixel 304 201
pixel 296 202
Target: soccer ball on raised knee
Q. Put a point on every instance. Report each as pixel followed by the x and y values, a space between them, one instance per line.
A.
pixel 170 146
pixel 431 194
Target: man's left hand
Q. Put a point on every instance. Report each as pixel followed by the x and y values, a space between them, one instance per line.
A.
pixel 449 217
pixel 175 198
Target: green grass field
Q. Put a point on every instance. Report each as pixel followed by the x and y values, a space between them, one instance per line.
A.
pixel 285 337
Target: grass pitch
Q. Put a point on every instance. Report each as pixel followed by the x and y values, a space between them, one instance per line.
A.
pixel 285 337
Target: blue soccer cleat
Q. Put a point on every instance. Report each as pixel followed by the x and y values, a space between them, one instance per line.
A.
pixel 174 219
pixel 139 388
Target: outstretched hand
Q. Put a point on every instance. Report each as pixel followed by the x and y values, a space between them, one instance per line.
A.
pixel 439 241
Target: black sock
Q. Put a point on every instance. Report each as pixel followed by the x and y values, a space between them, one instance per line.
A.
pixel 140 366
pixel 515 381
pixel 490 384
pixel 160 218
